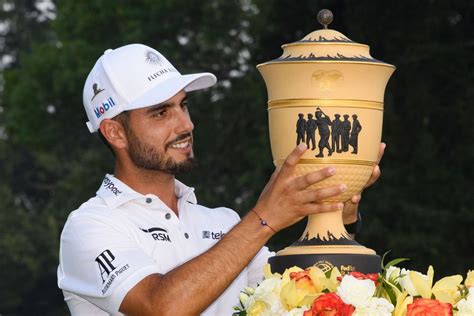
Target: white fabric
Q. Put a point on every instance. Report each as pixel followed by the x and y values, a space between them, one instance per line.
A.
pixel 131 77
pixel 119 237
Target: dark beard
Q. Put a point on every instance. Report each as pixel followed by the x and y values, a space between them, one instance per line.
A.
pixel 148 157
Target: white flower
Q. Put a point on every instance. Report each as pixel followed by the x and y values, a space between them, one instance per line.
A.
pixel 466 305
pixel 355 292
pixel 392 274
pixel 268 293
pixel 407 283
pixel 375 307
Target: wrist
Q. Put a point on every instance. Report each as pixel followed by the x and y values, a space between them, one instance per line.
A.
pixel 349 219
pixel 262 221
pixel 355 226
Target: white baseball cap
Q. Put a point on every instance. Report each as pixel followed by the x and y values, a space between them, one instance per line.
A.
pixel 132 77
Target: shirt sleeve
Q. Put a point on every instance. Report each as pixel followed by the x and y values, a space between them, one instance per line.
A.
pixel 100 262
pixel 255 267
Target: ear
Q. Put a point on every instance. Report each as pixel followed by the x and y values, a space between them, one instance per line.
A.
pixel 114 133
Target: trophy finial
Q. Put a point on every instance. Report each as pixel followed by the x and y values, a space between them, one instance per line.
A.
pixel 325 17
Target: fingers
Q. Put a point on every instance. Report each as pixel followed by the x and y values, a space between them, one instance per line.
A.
pixel 355 199
pixel 374 177
pixel 322 208
pixel 381 152
pixel 314 196
pixel 376 171
pixel 313 177
pixel 290 162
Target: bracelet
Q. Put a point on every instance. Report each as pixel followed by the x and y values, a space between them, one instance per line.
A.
pixel 262 221
pixel 354 228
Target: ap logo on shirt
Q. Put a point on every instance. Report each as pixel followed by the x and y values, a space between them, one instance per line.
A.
pixel 104 260
pixel 106 267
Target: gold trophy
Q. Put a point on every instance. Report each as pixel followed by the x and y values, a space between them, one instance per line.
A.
pixel 327 91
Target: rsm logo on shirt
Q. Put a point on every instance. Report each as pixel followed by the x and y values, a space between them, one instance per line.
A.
pixel 212 235
pixel 159 234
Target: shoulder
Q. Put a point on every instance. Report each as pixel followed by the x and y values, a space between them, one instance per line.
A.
pixel 92 216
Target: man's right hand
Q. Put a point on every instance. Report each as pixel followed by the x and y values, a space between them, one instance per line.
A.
pixel 286 199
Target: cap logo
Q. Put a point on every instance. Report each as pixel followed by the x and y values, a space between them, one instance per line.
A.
pixel 104 107
pixel 96 89
pixel 152 58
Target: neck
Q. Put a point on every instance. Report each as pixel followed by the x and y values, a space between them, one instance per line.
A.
pixel 143 181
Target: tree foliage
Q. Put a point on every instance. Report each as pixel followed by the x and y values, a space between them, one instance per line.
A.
pixel 422 207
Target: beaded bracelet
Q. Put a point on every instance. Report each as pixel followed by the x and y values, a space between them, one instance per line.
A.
pixel 262 221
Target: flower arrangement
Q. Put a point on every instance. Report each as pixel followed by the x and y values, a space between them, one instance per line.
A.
pixel 395 291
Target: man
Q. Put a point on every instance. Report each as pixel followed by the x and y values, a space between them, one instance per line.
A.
pixel 143 246
pixel 311 131
pixel 323 122
pixel 354 138
pixel 346 129
pixel 300 129
pixel 336 132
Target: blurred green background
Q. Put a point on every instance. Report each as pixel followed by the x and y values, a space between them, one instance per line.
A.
pixel 422 207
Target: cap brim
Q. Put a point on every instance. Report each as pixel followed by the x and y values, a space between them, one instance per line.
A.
pixel 170 87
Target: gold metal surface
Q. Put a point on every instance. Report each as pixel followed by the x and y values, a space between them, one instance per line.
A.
pixel 363 104
pixel 329 161
pixel 298 250
pixel 332 62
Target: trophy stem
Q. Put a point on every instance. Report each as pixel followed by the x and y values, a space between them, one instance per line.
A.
pixel 325 244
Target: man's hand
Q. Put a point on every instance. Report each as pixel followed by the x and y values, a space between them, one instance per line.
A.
pixel 349 214
pixel 286 199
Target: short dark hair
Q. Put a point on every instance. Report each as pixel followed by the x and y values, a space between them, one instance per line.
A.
pixel 122 118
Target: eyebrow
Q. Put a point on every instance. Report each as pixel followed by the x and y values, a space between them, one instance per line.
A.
pixel 163 105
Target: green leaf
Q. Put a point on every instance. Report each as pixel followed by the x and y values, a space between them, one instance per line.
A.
pixel 395 262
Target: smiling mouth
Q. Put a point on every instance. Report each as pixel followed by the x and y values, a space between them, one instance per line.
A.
pixel 181 144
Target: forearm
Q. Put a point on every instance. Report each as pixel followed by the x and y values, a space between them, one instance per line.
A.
pixel 190 288
pixel 200 281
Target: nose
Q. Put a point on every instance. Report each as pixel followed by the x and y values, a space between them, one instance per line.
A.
pixel 184 123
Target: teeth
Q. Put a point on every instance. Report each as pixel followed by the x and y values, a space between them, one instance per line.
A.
pixel 180 145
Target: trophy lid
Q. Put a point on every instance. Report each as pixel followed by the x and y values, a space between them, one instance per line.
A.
pixel 326 45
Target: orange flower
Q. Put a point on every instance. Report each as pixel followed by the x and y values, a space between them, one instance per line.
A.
pixel 361 276
pixel 424 306
pixel 329 304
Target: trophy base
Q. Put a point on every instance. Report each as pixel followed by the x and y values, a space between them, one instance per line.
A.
pixel 345 262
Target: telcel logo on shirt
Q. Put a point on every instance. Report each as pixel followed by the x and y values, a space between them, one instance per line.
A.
pixel 100 110
pixel 212 235
pixel 159 234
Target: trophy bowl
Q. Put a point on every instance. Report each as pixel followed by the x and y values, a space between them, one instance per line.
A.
pixel 327 91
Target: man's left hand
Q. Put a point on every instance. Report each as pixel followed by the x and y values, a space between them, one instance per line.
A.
pixel 349 213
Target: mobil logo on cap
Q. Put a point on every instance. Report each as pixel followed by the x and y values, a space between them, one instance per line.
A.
pixel 104 107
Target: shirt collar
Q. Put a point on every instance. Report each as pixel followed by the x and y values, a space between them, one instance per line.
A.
pixel 115 193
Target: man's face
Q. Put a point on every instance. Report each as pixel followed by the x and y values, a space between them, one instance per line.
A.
pixel 160 136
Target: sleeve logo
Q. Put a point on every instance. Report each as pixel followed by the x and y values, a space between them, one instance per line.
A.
pixel 104 260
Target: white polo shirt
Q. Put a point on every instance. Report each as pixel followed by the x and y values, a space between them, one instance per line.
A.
pixel 119 237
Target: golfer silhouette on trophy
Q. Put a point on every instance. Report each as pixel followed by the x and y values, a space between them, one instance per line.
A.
pixel 300 129
pixel 323 122
pixel 336 133
pixel 346 129
pixel 354 139
pixel 311 131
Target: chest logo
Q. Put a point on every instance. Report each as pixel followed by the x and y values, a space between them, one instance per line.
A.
pixel 158 234
pixel 212 235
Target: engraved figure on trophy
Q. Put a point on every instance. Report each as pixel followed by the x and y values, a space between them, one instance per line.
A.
pixel 336 133
pixel 346 129
pixel 311 131
pixel 323 122
pixel 354 139
pixel 300 129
